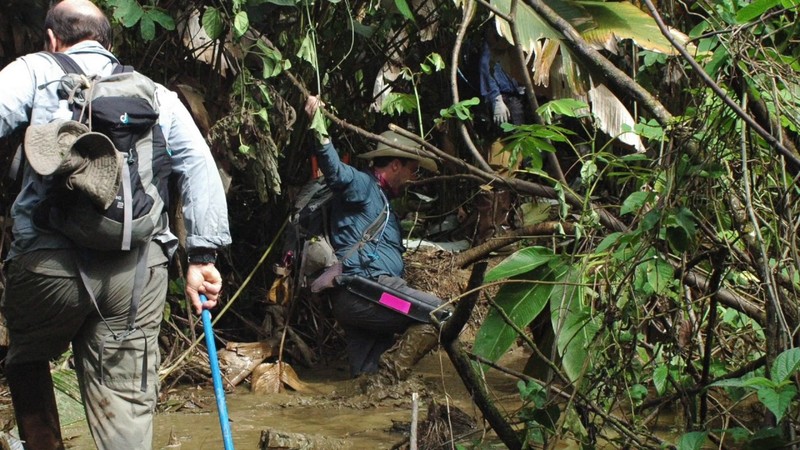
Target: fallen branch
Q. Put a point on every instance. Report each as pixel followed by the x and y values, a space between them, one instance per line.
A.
pixel 449 339
pixel 478 252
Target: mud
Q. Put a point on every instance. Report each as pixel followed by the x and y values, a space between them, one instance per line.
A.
pixel 334 409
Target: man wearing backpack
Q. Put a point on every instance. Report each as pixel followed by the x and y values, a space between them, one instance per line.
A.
pixel 361 206
pixel 58 294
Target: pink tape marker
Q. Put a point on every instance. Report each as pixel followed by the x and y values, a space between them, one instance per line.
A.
pixel 396 303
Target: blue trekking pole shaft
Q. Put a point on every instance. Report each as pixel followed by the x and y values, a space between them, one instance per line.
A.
pixel 219 391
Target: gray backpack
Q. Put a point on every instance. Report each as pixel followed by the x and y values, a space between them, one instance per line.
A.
pixel 121 106
pixel 307 242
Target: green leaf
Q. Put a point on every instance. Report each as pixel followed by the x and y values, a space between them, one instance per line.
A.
pixel 534 212
pixel 634 157
pixel 564 106
pixel 212 23
pixel 659 275
pixel 307 51
pixel 637 393
pixel 397 103
pixel 147 28
pixel 732 382
pixel 650 220
pixel 785 365
pixel 435 60
pixel 521 302
pixel 318 124
pixel 778 401
pixel 767 438
pixel 562 200
pixel 624 20
pixel 755 9
pixel 660 377
pixel 608 242
pixel 162 18
pixel 531 27
pixel 718 60
pixel 759 383
pixel 520 262
pixel 244 149
pixel 650 130
pixel 405 10
pixel 652 58
pixel 273 62
pixel 461 109
pixel 264 93
pixel 532 392
pixel 693 440
pixel 635 201
pixel 738 434
pixel 128 12
pixel 241 23
pixel 263 115
pixel 573 321
pixel 588 172
pixel 681 229
pixel 529 141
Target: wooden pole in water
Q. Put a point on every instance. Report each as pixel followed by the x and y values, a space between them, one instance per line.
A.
pixel 414 417
pixel 449 339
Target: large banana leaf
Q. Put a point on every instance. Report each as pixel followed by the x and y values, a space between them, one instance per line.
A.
pixel 532 28
pixel 601 24
pixel 614 21
pixel 612 116
pixel 574 322
pixel 531 273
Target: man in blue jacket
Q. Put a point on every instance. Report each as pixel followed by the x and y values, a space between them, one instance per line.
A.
pixel 501 91
pixel 361 197
pixel 46 303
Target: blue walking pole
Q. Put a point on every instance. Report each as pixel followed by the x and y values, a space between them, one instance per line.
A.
pixel 219 391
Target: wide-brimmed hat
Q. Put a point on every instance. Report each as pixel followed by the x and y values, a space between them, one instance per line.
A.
pixel 420 155
pixel 68 147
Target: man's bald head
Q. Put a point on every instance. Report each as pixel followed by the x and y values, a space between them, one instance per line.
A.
pixel 73 21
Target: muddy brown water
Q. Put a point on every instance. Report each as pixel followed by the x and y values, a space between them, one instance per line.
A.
pixel 337 410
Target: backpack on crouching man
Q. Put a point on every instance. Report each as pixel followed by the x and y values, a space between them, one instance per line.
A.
pixel 311 263
pixel 309 256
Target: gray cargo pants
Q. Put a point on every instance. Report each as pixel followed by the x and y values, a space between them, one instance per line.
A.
pixel 47 308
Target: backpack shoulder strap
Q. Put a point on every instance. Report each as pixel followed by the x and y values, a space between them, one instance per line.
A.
pixel 67 64
pixel 373 231
pixel 119 68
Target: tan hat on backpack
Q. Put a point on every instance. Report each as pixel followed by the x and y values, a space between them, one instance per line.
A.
pixel 68 147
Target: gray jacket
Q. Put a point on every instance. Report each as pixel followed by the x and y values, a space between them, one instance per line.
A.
pixel 29 97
